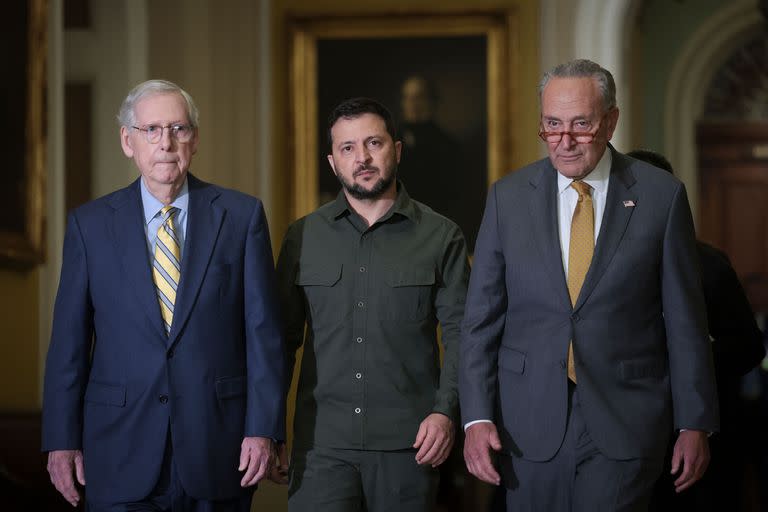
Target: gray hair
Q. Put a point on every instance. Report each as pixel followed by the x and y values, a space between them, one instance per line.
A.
pixel 127 115
pixel 583 68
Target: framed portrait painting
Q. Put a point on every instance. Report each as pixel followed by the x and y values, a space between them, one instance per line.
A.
pixel 23 137
pixel 444 77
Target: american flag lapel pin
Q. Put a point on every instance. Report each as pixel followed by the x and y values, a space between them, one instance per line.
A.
pixel 629 203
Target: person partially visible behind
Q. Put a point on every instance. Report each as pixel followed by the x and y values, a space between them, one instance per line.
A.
pixel 371 275
pixel 164 377
pixel 737 347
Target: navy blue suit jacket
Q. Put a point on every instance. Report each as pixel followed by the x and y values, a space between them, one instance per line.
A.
pixel 115 383
pixel 643 360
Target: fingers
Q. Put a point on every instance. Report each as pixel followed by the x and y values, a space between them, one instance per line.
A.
pixel 279 472
pixel 256 456
pixel 434 439
pixel 420 436
pixel 441 444
pixel 426 439
pixel 481 438
pixel 691 453
pixel 61 466
pixel 693 469
pixel 676 457
pixel 79 468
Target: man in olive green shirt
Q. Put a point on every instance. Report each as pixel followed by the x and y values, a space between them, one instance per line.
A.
pixel 371 274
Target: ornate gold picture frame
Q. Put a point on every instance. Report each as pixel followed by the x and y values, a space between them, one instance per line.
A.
pixel 469 56
pixel 23 200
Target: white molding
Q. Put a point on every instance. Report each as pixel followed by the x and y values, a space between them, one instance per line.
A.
pixel 692 71
pixel 264 106
pixel 55 215
pixel 599 34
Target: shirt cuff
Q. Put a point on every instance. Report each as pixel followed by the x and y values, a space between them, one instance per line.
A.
pixel 467 425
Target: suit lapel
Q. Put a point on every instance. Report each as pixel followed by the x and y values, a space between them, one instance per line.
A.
pixel 203 223
pixel 619 206
pixel 131 241
pixel 543 208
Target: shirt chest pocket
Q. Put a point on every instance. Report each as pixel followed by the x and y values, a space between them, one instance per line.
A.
pixel 408 293
pixel 323 292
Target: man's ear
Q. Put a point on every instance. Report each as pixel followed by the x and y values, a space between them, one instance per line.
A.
pixel 331 163
pixel 398 150
pixel 126 142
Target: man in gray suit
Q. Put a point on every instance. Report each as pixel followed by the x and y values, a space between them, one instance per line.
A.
pixel 584 343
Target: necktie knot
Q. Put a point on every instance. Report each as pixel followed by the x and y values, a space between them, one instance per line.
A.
pixel 582 188
pixel 167 212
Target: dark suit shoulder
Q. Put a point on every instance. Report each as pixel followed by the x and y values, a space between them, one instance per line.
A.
pixel 229 197
pixel 524 176
pixel 97 207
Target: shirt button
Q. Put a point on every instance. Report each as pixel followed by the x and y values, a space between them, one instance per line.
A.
pixel 359 339
pixel 360 304
pixel 163 399
pixel 358 410
pixel 362 269
pixel 358 375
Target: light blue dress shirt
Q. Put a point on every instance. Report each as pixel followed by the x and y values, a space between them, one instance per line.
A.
pixel 153 219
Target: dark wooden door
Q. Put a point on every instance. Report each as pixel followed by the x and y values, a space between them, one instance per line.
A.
pixel 733 204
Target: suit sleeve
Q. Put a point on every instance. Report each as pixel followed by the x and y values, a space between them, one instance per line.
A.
pixel 291 297
pixel 449 304
pixel 484 318
pixel 68 360
pixel 265 416
pixel 694 396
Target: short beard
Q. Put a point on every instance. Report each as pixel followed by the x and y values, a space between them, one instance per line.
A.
pixel 360 193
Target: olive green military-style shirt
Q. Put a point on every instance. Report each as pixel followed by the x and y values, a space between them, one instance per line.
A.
pixel 371 299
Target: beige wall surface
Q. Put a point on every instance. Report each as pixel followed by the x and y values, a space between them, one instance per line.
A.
pixel 19 350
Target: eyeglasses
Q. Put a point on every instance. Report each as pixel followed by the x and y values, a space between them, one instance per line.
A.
pixel 154 132
pixel 580 137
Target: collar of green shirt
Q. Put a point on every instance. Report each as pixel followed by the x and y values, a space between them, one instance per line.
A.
pixel 403 206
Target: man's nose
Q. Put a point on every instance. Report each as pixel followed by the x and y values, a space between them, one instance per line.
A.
pixel 567 141
pixel 362 155
pixel 166 139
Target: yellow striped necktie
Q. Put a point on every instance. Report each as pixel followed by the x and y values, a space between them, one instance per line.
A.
pixel 166 269
pixel 580 251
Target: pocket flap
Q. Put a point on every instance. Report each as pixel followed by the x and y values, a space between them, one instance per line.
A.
pixel 106 394
pixel 313 275
pixel 229 387
pixel 511 360
pixel 410 276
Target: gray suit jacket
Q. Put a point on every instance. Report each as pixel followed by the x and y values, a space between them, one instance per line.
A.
pixel 639 330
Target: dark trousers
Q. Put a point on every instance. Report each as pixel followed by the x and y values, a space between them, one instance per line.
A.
pixel 170 496
pixel 579 478
pixel 334 480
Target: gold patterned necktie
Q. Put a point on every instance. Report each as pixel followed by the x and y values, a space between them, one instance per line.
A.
pixel 580 251
pixel 166 269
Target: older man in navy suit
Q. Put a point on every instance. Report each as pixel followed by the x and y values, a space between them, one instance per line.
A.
pixel 585 343
pixel 165 373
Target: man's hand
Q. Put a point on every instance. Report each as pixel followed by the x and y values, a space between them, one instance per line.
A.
pixel 257 454
pixel 279 473
pixel 61 465
pixel 434 439
pixel 692 451
pixel 480 439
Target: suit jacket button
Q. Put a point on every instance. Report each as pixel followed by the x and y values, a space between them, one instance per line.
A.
pixel 163 399
pixel 575 317
pixel 170 353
